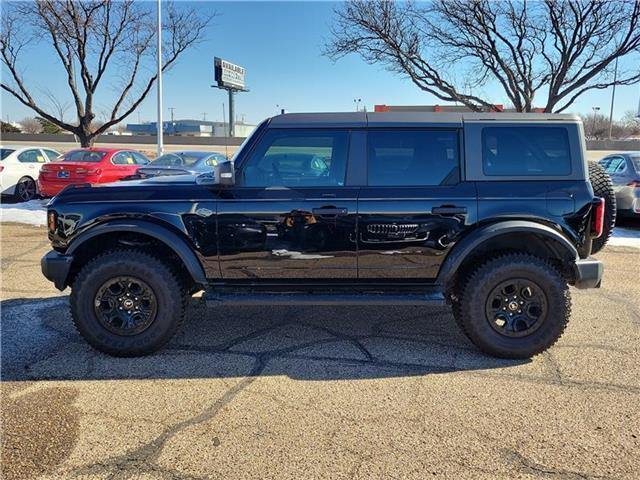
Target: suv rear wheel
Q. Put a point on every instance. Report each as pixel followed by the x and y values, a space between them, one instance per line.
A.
pixel 127 303
pixel 514 306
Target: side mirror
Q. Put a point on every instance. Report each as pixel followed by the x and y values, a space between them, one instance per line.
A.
pixel 221 174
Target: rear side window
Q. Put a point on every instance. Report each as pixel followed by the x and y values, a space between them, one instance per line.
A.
pixel 636 163
pixel 84 156
pixel 5 152
pixel 525 151
pixel 412 157
pixel 51 154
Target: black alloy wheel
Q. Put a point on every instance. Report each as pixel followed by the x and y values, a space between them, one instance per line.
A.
pixel 516 307
pixel 125 305
pixel 25 189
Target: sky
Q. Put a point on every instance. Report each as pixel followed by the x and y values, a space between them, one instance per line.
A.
pixel 280 45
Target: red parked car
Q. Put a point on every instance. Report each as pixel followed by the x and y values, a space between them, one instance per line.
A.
pixel 89 165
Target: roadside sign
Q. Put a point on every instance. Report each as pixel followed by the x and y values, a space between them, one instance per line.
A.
pixel 228 75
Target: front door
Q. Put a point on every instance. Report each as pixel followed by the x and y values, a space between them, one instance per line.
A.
pixel 414 207
pixel 290 215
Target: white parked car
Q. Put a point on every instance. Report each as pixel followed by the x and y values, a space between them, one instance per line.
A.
pixel 19 170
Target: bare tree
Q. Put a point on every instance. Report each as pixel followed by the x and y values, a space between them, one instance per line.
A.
pixel 31 125
pixel 93 40
pixel 557 48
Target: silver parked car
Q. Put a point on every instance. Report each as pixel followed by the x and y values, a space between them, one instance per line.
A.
pixel 181 163
pixel 624 170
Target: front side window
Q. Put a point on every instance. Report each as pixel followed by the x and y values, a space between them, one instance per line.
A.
pixel 123 158
pixel 525 151
pixel 298 158
pixel 412 157
pixel 613 165
pixel 139 158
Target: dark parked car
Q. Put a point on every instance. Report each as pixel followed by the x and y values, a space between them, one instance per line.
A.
pixel 181 163
pixel 492 213
pixel 624 170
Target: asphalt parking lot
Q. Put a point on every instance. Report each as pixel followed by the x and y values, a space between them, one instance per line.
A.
pixel 317 392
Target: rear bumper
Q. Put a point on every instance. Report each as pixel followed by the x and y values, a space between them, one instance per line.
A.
pixel 55 267
pixel 588 273
pixel 51 189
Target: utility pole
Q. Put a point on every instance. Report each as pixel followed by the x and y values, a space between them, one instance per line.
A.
pixel 159 59
pixel 172 109
pixel 204 116
pixel 613 97
pixel 593 123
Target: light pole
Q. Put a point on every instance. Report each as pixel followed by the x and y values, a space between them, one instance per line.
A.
pixel 159 59
pixel 357 102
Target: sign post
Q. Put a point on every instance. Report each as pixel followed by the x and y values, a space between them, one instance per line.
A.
pixel 229 77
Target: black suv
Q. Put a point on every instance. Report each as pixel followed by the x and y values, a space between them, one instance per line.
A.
pixel 492 213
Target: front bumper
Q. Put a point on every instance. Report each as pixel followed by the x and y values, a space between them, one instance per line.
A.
pixel 55 267
pixel 588 273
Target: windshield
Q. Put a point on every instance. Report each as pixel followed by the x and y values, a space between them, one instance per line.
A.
pixel 84 156
pixel 5 152
pixel 179 159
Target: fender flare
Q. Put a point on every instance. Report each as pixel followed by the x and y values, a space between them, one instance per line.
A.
pixel 159 232
pixel 469 243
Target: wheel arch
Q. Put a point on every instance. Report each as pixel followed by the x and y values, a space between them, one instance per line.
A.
pixel 511 235
pixel 134 233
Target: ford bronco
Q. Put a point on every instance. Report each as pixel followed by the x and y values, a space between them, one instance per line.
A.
pixel 492 213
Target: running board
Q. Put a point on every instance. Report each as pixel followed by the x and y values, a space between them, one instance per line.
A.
pixel 217 299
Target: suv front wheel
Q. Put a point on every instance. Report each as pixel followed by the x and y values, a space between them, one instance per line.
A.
pixel 127 303
pixel 514 306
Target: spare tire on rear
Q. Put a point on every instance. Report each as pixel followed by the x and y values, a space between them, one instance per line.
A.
pixel 603 188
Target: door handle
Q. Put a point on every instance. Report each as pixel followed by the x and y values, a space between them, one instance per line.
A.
pixel 448 210
pixel 329 211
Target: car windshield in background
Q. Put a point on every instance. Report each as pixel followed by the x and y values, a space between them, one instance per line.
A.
pixel 179 159
pixel 5 152
pixel 84 156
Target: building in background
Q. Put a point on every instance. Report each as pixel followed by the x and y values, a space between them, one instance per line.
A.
pixel 191 128
pixel 441 108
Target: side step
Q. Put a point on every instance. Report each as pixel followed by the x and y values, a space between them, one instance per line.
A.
pixel 214 299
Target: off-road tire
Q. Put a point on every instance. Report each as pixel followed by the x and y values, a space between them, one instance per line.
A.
pixel 603 188
pixel 470 313
pixel 170 294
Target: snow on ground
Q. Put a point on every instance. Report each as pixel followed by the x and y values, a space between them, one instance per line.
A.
pixel 31 213
pixel 625 237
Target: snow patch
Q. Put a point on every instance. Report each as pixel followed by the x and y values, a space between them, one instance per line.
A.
pixel 33 212
pixel 625 237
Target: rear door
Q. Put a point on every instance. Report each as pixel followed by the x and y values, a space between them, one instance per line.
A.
pixel 29 162
pixel 291 214
pixel 415 205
